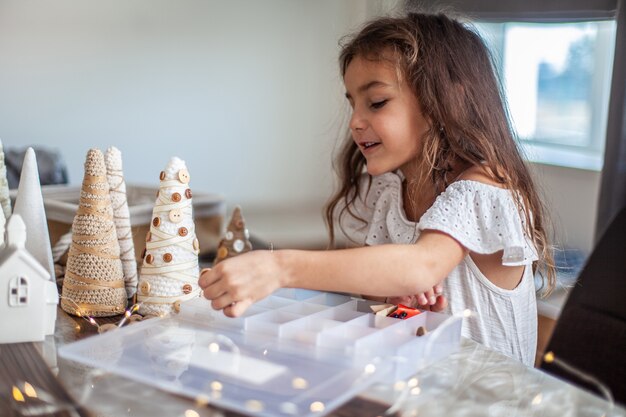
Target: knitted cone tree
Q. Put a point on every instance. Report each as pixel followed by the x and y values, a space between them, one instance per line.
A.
pixel 169 273
pixel 94 281
pixel 236 239
pixel 121 217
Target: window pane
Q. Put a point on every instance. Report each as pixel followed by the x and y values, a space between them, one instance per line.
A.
pixel 556 79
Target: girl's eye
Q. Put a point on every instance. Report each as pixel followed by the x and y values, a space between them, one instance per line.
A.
pixel 378 104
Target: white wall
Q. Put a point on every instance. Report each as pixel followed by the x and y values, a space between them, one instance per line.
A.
pixel 572 199
pixel 247 92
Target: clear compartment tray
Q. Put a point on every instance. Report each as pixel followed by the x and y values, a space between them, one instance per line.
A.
pixel 296 353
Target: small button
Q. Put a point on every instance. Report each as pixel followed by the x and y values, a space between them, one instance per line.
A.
pixel 162 175
pixel 156 221
pixel 149 258
pixel 238 245
pixel 167 257
pixel 183 176
pixel 182 231
pixel 176 197
pixel 176 216
pixel 222 253
pixel 144 287
pixel 196 245
pixel 176 306
pixel 148 236
pixel 188 193
pixel 187 288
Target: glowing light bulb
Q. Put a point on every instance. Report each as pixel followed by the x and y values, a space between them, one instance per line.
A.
pixel 17 394
pixel 30 390
pixel 299 383
pixel 317 407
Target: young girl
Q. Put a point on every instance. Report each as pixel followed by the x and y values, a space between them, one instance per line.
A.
pixel 446 197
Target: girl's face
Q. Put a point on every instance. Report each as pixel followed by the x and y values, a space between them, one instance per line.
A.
pixel 387 122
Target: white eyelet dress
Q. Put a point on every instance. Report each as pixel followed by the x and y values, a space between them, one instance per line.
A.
pixel 484 219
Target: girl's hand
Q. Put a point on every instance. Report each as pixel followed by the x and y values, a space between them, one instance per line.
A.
pixel 431 300
pixel 235 284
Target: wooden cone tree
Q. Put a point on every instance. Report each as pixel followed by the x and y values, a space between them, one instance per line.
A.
pixel 121 217
pixel 169 273
pixel 236 240
pixel 94 281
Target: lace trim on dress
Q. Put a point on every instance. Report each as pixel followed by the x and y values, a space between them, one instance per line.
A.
pixel 483 218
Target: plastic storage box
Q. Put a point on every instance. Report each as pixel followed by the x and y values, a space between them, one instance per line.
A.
pixel 295 353
pixel 61 204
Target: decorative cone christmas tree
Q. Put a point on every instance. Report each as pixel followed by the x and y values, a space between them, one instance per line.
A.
pixel 121 217
pixel 94 281
pixel 236 240
pixel 169 273
pixel 5 200
pixel 29 205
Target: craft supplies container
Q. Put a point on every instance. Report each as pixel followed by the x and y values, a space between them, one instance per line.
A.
pixel 295 353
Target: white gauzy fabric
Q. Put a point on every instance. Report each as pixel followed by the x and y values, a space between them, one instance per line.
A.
pixel 484 219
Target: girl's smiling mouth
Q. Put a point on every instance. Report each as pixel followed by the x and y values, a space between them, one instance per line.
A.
pixel 365 146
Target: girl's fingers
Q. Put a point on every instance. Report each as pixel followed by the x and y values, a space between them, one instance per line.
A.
pixel 214 291
pixel 422 300
pixel 221 302
pixel 430 297
pixel 438 289
pixel 238 308
pixel 207 277
pixel 440 305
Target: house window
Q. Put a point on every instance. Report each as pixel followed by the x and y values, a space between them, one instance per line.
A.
pixel 18 292
pixel 556 79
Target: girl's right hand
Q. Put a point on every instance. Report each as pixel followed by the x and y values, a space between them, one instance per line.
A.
pixel 236 283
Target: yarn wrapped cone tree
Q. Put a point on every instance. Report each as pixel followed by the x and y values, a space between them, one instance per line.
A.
pixel 94 280
pixel 169 273
pixel 121 217
pixel 5 200
pixel 236 240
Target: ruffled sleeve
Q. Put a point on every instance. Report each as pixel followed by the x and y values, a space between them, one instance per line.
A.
pixel 484 219
pixel 367 207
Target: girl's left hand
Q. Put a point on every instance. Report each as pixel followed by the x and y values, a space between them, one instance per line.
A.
pixel 432 300
pixel 235 284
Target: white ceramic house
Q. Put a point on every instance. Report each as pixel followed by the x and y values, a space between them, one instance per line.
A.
pixel 26 291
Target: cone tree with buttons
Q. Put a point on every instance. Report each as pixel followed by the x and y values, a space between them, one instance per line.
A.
pixel 169 272
pixel 94 281
pixel 236 240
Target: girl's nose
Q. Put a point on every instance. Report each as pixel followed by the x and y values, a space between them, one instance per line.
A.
pixel 357 122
